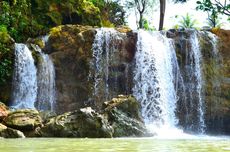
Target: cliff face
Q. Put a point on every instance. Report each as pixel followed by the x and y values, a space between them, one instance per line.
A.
pixel 71 48
pixel 222 105
pixel 215 78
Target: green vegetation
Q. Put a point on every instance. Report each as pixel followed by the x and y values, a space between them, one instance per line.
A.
pixel 6 56
pixel 214 9
pixel 187 21
pixel 111 12
pixel 141 7
pixel 21 19
pixel 30 18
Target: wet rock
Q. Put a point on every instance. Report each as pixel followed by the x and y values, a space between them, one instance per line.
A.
pixel 70 47
pixel 23 120
pixel 3 111
pixel 6 132
pixel 124 115
pixel 216 74
pixel 80 123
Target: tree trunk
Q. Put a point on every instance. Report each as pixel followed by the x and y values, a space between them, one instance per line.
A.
pixel 141 21
pixel 162 13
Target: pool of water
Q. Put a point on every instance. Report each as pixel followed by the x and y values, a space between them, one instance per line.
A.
pixel 199 144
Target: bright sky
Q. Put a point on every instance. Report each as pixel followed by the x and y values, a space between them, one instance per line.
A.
pixel 179 9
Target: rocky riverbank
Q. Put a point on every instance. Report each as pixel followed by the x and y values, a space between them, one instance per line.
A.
pixel 119 117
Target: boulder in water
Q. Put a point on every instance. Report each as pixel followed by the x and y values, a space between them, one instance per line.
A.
pixel 6 132
pixel 124 115
pixel 79 123
pixel 24 120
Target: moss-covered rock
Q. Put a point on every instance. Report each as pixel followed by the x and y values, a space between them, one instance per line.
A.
pixel 216 75
pixel 3 111
pixel 124 115
pixel 70 47
pixel 24 120
pixel 80 123
pixel 6 132
pixel 126 104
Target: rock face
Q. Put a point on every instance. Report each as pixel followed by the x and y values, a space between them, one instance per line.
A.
pixel 3 111
pixel 24 120
pixel 6 132
pixel 70 47
pixel 80 123
pixel 124 115
pixel 120 117
pixel 215 71
pixel 219 106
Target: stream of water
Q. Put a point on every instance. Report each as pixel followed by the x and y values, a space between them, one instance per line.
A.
pixel 33 85
pixel 24 92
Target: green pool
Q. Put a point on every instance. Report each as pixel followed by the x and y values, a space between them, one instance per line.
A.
pixel 209 144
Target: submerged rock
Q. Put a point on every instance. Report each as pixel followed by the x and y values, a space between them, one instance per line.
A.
pixel 24 120
pixel 6 132
pixel 124 115
pixel 80 123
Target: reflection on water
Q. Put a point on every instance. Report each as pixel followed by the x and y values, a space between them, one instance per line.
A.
pixel 209 144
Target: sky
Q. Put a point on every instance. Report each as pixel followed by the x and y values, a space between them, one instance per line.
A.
pixel 179 9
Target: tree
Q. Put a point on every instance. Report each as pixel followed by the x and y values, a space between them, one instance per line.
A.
pixel 162 12
pixel 214 8
pixel 141 7
pixel 111 12
pixel 222 7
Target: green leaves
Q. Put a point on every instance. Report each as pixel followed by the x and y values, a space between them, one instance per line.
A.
pixel 6 62
pixel 187 21
pixel 214 9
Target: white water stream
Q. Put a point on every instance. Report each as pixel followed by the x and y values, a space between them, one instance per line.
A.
pixel 25 78
pixel 33 87
pixel 154 78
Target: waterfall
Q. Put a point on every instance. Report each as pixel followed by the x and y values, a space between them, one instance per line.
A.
pixel 192 97
pixel 212 75
pixel 154 79
pixel 25 79
pixel 196 65
pixel 105 64
pixel 46 82
pixel 33 87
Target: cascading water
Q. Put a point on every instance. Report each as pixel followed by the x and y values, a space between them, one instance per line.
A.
pixel 212 75
pixel 105 64
pixel 33 87
pixel 46 82
pixel 154 80
pixel 196 65
pixel 25 79
pixel 191 98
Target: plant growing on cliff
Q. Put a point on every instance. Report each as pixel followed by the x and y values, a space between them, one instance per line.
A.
pixel 187 21
pixel 214 20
